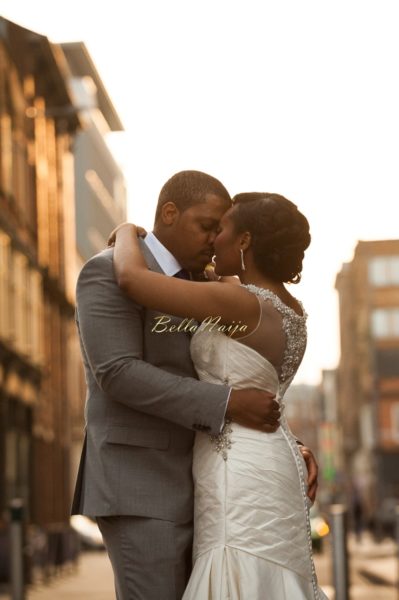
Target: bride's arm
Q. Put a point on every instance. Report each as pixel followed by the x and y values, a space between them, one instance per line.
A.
pixel 177 296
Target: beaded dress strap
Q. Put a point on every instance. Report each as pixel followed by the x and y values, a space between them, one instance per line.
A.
pixel 267 294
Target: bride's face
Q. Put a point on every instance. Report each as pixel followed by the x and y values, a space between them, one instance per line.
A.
pixel 227 247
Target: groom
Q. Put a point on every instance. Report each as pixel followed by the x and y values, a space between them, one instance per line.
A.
pixel 144 401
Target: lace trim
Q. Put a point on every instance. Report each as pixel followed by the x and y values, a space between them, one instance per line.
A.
pixel 276 300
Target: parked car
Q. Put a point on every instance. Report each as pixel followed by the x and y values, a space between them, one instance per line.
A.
pixel 318 527
pixel 88 531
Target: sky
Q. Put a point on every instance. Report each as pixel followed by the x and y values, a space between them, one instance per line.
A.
pixel 298 98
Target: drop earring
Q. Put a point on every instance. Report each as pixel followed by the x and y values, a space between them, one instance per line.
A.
pixel 242 259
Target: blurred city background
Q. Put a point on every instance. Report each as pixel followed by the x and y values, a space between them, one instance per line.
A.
pixel 73 166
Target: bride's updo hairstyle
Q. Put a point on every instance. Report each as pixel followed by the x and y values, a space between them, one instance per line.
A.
pixel 279 233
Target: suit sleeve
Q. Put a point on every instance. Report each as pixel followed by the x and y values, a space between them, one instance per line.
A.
pixel 110 327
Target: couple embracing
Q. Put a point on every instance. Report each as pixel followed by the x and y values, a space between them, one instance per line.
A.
pixel 199 487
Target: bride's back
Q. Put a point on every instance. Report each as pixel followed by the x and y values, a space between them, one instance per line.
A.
pixel 280 335
pixel 268 357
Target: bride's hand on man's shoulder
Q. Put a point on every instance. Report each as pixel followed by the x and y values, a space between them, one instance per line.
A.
pixel 210 275
pixel 137 229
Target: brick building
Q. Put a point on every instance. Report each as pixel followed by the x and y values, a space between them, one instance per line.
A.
pixel 368 374
pixel 37 275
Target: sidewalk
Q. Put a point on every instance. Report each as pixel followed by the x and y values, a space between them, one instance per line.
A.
pixel 92 581
pixel 372 568
pixel 377 561
pixel 374 571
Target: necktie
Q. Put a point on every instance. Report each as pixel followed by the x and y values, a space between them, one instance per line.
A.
pixel 182 274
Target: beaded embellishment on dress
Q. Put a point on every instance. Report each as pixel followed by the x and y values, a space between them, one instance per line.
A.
pixel 222 440
pixel 294 326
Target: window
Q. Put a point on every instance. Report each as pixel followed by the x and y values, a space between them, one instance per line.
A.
pixel 384 270
pixel 6 299
pixel 387 362
pixel 21 295
pixel 395 421
pixel 37 316
pixel 385 323
pixel 6 154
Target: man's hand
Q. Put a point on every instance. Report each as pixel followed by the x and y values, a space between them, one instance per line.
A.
pixel 313 470
pixel 253 408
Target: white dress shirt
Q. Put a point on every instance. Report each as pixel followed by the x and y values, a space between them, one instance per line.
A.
pixel 165 259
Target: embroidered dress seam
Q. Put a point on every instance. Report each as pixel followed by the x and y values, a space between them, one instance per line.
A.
pixel 295 451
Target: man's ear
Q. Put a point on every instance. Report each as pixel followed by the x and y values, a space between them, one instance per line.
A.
pixel 245 241
pixel 169 213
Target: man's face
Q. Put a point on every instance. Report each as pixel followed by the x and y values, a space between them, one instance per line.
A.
pixel 194 231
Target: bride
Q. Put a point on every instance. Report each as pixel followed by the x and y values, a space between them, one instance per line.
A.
pixel 251 525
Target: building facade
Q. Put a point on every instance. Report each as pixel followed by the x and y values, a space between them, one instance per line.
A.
pixel 61 194
pixel 37 125
pixel 368 375
pixel 100 194
pixel 329 446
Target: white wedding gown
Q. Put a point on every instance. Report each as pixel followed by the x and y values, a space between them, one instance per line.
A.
pixel 251 525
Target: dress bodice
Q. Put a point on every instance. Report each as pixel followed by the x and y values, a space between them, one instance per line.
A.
pixel 219 358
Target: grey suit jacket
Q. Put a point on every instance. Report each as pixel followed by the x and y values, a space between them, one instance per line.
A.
pixel 143 404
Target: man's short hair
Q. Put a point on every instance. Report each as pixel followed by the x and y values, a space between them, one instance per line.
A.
pixel 187 188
